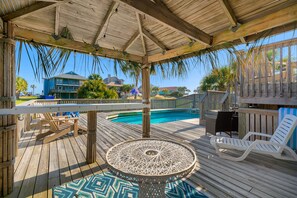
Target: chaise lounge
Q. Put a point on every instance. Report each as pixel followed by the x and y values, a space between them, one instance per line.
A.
pixel 274 147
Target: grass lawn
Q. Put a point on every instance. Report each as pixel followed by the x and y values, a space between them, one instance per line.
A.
pixel 25 99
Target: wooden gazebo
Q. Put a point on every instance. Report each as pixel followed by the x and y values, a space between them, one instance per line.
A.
pixel 146 31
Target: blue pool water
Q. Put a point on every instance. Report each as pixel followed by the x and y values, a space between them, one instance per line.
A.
pixel 156 116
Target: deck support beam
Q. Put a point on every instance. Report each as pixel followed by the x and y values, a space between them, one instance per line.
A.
pixel 146 112
pixel 8 135
pixel 91 139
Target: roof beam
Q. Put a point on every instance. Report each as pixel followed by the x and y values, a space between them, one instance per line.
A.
pixel 37 7
pixel 231 16
pixel 163 15
pixel 154 39
pixel 276 19
pixel 1 27
pixel 229 12
pixel 102 27
pixel 243 40
pixel 57 20
pixel 131 40
pixel 139 22
pixel 46 39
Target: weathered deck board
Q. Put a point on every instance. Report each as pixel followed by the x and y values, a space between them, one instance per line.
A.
pixel 43 166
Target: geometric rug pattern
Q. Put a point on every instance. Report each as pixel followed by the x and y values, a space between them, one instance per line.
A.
pixel 107 185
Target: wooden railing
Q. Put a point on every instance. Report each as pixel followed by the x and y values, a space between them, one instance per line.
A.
pixel 269 75
pixel 190 101
pixel 24 120
pixel 213 100
pixel 92 109
pixel 257 120
pixel 155 104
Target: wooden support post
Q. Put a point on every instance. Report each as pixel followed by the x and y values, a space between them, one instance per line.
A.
pixel 91 143
pixel 7 100
pixel 243 122
pixel 281 92
pixel 27 122
pixel 146 112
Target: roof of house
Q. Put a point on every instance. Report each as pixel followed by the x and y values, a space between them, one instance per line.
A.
pixel 168 88
pixel 113 84
pixel 70 75
pixel 112 79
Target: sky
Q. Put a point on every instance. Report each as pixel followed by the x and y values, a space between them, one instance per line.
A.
pixel 191 81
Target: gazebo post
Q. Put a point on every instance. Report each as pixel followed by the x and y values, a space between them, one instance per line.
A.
pixel 7 100
pixel 146 111
pixel 91 138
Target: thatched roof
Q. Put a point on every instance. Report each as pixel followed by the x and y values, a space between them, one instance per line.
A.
pixel 147 30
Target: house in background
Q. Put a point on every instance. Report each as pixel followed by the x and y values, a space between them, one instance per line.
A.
pixel 64 85
pixel 170 90
pixel 113 81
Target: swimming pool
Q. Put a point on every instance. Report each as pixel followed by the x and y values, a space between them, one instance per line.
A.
pixel 157 116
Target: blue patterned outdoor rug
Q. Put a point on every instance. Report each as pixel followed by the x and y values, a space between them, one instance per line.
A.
pixel 107 185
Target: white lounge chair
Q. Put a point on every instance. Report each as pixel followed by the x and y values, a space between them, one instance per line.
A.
pixel 274 147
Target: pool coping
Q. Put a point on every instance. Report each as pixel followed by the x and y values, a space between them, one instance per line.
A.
pixel 112 115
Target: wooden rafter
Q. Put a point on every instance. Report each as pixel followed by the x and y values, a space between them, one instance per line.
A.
pixel 131 40
pixel 139 22
pixel 154 39
pixel 163 15
pixel 1 27
pixel 102 27
pixel 282 17
pixel 229 12
pixel 37 7
pixel 243 40
pixel 30 35
pixel 57 20
pixel 231 16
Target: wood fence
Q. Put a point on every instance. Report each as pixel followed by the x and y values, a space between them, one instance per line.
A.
pixel 268 75
pixel 257 120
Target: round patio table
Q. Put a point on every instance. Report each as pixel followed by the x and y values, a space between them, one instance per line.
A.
pixel 151 163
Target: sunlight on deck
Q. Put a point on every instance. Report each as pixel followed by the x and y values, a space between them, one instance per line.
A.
pixel 40 167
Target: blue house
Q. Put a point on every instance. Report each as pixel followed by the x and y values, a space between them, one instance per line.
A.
pixel 64 85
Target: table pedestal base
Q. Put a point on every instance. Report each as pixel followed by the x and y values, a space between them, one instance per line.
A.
pixel 152 190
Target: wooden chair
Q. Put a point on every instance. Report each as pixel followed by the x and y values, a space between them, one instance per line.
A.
pixel 58 127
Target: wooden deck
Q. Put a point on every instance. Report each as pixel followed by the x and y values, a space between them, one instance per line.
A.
pixel 39 167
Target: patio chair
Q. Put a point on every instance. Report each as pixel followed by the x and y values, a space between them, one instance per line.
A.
pixel 58 128
pixel 274 147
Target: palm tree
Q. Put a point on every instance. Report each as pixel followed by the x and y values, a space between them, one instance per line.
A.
pixel 94 77
pixel 131 69
pixel 222 79
pixel 183 90
pixel 33 88
pixel 21 86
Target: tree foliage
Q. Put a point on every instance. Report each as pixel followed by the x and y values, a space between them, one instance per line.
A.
pixel 155 90
pixel 95 88
pixel 183 90
pixel 221 79
pixel 176 94
pixel 126 88
pixel 21 86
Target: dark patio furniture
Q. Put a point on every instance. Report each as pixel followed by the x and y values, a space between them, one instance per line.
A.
pixel 221 121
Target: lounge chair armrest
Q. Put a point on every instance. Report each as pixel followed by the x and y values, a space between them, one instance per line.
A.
pixel 255 133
